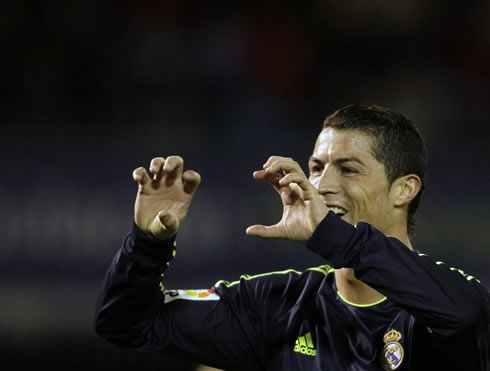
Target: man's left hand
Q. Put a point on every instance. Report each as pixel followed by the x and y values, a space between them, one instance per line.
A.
pixel 303 208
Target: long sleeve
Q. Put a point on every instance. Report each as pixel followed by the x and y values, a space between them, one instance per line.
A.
pixel 255 323
pixel 446 300
pixel 453 305
pixel 133 311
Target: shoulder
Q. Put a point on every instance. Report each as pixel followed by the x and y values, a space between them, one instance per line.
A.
pixel 276 287
pixel 279 278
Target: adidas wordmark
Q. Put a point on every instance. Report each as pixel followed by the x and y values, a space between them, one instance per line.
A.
pixel 304 345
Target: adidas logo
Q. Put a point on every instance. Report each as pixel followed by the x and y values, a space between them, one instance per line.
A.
pixel 304 345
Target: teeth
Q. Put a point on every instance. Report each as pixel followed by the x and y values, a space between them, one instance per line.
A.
pixel 337 210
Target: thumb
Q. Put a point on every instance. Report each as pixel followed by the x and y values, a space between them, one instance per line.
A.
pixel 263 231
pixel 164 226
pixel 168 220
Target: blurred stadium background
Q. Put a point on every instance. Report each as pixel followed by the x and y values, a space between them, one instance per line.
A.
pixel 91 90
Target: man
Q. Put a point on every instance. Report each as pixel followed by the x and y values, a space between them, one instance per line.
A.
pixel 378 305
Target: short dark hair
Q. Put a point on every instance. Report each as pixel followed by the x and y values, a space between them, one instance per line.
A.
pixel 397 143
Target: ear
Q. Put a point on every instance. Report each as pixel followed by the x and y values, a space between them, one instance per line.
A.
pixel 404 189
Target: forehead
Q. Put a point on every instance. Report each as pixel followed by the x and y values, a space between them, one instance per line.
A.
pixel 344 143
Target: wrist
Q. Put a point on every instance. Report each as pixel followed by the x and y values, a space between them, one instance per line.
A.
pixel 147 250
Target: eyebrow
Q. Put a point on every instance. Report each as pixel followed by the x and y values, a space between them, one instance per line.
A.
pixel 339 161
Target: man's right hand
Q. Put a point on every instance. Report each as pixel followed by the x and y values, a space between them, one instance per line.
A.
pixel 162 201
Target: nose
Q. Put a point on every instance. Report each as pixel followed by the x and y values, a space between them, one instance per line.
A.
pixel 328 182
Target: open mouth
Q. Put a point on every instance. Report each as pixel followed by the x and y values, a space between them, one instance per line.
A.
pixel 337 210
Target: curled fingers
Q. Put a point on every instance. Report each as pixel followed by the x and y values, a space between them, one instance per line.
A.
pixel 273 159
pixel 156 167
pixel 140 176
pixel 287 165
pixel 271 178
pixel 173 168
pixel 191 180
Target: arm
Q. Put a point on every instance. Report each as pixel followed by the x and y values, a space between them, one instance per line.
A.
pixel 133 312
pixel 455 307
pixel 444 299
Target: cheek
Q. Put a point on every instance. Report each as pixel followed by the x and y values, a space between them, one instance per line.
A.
pixel 377 200
pixel 366 199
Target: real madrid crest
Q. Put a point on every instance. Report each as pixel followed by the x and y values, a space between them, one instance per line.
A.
pixel 392 356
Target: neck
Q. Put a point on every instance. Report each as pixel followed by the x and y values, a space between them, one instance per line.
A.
pixel 353 290
pixel 357 292
pixel 403 238
pixel 398 230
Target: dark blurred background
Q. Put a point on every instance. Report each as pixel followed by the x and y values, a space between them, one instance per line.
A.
pixel 92 89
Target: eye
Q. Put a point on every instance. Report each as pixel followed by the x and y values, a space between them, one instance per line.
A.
pixel 315 169
pixel 348 170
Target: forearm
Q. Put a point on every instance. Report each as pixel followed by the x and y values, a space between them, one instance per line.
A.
pixel 133 312
pixel 130 297
pixel 444 299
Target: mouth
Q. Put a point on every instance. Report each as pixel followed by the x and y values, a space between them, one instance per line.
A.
pixel 337 210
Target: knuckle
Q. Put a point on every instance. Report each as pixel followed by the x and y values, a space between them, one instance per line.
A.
pixel 176 159
pixel 277 162
pixel 139 171
pixel 156 163
pixel 193 176
pixel 157 160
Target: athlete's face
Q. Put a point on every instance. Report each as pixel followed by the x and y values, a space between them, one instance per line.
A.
pixel 350 180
